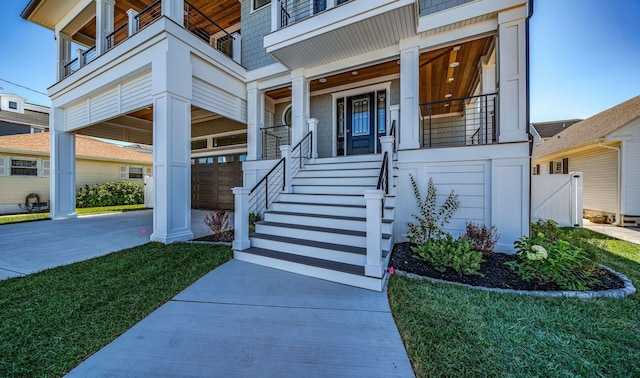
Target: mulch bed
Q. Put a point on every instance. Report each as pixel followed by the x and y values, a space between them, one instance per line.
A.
pixel 216 238
pixel 494 273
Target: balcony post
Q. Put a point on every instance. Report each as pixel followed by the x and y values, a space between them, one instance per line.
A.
pixel 386 144
pixel 255 120
pixel 373 267
pixel 104 24
pixel 276 15
pixel 132 25
pixel 174 9
pixel 331 4
pixel 81 58
pixel 300 96
pixel 237 47
pixel 63 54
pixel 313 127
pixel 285 152
pixel 241 219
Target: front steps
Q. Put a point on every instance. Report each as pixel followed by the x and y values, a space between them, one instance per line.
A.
pixel 319 230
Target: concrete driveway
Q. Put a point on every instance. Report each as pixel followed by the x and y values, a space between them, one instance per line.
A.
pixel 30 247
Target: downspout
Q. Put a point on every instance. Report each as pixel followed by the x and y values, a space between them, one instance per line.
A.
pixel 528 89
pixel 619 182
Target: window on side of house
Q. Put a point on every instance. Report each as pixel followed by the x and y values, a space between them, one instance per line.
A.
pixel 257 4
pixel 558 167
pixel 131 172
pixel 535 170
pixel 23 167
pixel 13 105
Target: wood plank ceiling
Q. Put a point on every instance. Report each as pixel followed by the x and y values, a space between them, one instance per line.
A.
pixel 225 13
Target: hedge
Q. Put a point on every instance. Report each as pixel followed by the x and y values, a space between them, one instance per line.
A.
pixel 110 194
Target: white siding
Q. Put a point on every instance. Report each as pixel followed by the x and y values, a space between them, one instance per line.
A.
pixel 631 176
pixel 136 93
pixel 599 167
pixel 77 115
pixel 208 97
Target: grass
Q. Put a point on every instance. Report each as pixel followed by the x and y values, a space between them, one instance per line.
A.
pixel 5 219
pixel 452 331
pixel 52 320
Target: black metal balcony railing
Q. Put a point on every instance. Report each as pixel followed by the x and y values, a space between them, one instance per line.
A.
pixel 89 55
pixel 272 138
pixel 206 29
pixel 118 35
pixel 292 11
pixel 459 121
pixel 267 190
pixel 301 153
pixel 148 15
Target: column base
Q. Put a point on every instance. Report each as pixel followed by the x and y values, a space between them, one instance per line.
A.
pixel 171 238
pixel 64 216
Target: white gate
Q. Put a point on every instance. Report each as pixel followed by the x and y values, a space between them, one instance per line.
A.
pixel 557 197
pixel 148 192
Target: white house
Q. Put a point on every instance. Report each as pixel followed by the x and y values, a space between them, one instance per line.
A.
pixel 328 86
pixel 606 149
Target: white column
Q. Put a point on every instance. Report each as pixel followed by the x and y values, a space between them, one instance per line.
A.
pixel 172 89
pixel 237 47
pixel 276 15
pixel 409 95
pixel 577 199
pixel 512 121
pixel 81 58
pixel 132 25
pixel 63 168
pixel 510 199
pixel 373 199
pixel 241 219
pixel 386 145
pixel 299 105
pixel 312 124
pixel 255 121
pixel 104 24
pixel 63 53
pixel 174 9
pixel 285 152
pixel 331 4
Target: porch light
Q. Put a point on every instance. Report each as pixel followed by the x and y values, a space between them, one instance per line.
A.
pixel 454 64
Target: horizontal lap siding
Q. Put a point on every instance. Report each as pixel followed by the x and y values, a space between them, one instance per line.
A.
pixel 136 93
pixel 211 98
pixel 599 167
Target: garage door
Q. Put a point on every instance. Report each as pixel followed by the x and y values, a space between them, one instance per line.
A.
pixel 212 179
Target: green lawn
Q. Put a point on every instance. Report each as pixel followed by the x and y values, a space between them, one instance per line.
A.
pixel 452 331
pixel 4 219
pixel 52 320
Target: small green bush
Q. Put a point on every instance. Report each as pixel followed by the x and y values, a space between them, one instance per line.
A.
pixel 447 252
pixel 253 219
pixel 549 259
pixel 110 194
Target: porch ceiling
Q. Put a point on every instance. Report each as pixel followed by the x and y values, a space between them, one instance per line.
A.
pixel 436 70
pixel 343 78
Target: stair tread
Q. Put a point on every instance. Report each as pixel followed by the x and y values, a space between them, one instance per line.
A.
pixel 315 244
pixel 328 204
pixel 305 260
pixel 338 217
pixel 319 229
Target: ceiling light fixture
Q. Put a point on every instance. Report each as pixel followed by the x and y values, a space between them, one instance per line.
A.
pixel 454 64
pixel 322 80
pixel 451 79
pixel 354 73
pixel 448 95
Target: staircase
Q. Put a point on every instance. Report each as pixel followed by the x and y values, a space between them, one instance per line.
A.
pixel 319 229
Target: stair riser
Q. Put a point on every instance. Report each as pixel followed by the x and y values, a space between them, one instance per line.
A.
pixel 339 173
pixel 310 198
pixel 349 159
pixel 324 222
pixel 303 250
pixel 369 283
pixel 306 189
pixel 370 182
pixel 317 209
pixel 330 167
pixel 320 236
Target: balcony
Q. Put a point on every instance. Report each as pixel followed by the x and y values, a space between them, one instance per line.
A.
pixel 314 32
pixel 195 21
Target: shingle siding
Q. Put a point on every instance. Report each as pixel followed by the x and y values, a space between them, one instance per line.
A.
pixel 29 117
pixel 254 26
pixel 321 108
pixel 428 7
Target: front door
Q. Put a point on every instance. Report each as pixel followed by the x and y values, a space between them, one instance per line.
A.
pixel 360 124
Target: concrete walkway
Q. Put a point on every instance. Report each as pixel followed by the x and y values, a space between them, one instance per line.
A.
pixel 244 320
pixel 30 247
pixel 630 234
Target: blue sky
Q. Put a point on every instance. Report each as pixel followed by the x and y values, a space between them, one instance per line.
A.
pixel 585 56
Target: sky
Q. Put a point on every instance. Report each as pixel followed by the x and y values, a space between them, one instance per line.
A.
pixel 584 56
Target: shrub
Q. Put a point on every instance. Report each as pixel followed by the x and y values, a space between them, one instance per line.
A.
pixel 447 252
pixel 253 219
pixel 110 194
pixel 484 239
pixel 549 259
pixel 218 222
pixel 548 227
pixel 432 219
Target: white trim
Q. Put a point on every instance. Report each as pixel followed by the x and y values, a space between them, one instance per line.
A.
pixel 235 150
pixel 23 158
pixel 386 86
pixel 284 122
pixel 3 165
pixel 253 10
pixel 464 12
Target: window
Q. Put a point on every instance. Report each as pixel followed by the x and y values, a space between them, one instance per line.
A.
pixel 129 172
pixel 23 167
pixel 13 105
pixel 135 173
pixel 257 4
pixel 535 169
pixel 560 166
pixel 286 116
pixel 199 144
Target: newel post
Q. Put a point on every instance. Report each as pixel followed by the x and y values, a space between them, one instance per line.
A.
pixel 132 25
pixel 374 268
pixel 386 142
pixel 313 127
pixel 241 219
pixel 285 152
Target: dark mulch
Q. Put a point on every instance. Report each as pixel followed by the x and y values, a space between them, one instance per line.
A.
pixel 224 237
pixel 494 273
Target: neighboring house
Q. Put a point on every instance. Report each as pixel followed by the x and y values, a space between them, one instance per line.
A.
pixel 25 167
pixel 208 81
pixel 606 149
pixel 17 116
pixel 542 131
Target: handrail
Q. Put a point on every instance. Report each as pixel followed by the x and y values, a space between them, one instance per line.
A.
pixel 147 9
pixel 204 34
pixel 458 99
pixel 266 176
pixel 392 133
pixel 299 147
pixel 265 180
pixel 383 178
pixel 110 38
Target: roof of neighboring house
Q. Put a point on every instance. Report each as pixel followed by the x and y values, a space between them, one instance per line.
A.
pixel 593 129
pixel 549 129
pixel 86 147
pixel 30 117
